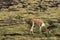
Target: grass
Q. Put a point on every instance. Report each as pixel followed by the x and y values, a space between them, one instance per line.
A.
pixel 21 31
pixel 24 28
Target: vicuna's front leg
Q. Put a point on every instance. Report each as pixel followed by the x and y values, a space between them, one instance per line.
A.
pixel 31 30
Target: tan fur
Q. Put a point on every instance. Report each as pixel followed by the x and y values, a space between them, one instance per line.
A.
pixel 39 22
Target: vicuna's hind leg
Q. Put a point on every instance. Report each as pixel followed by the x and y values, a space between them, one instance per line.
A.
pixel 41 26
pixel 31 30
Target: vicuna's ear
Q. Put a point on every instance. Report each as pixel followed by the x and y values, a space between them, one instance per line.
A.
pixel 47 29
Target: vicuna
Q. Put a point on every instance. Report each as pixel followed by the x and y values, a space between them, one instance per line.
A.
pixel 39 22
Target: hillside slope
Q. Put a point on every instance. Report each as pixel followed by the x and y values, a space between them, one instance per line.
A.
pixel 13 25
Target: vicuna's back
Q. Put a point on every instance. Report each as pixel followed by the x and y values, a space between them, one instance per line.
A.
pixel 37 21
